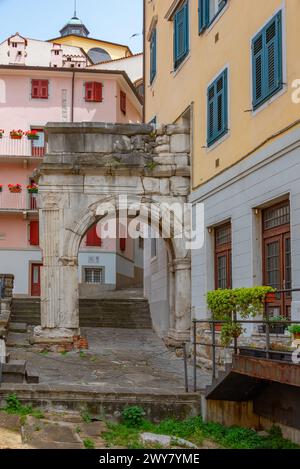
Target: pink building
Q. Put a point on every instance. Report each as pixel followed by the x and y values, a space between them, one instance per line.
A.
pixel 44 82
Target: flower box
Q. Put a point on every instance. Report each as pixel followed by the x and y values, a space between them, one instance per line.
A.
pixel 32 189
pixel 15 188
pixel 16 134
pixel 32 135
pixel 1 133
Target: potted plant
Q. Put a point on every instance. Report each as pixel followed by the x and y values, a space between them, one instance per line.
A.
pixel 32 188
pixel 230 330
pixel 225 305
pixel 277 325
pixel 32 135
pixel 15 188
pixel 16 134
pixel 1 133
pixel 295 330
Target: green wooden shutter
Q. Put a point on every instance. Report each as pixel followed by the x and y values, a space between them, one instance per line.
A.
pixel 257 68
pixel 153 56
pixel 267 61
pixel 181 35
pixel 273 55
pixel 217 108
pixel 203 11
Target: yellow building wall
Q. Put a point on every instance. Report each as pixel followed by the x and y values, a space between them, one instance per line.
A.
pixel 171 93
pixel 115 51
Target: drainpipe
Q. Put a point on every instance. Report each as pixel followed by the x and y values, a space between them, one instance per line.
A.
pixel 72 99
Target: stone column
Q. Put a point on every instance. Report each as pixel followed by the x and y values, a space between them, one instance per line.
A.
pixel 171 295
pixel 181 331
pixel 59 285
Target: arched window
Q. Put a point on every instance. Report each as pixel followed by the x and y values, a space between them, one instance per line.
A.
pixel 96 54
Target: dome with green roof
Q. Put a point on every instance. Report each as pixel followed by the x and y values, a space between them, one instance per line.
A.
pixel 75 26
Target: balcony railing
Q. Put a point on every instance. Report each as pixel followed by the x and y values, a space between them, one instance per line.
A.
pixel 15 202
pixel 21 148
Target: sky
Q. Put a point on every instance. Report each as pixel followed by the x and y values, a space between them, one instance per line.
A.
pixel 111 20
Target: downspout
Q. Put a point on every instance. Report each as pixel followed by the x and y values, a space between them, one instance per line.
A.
pixel 72 99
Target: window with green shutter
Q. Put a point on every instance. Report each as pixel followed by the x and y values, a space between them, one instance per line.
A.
pixel 217 108
pixel 181 34
pixel 267 61
pixel 153 55
pixel 208 10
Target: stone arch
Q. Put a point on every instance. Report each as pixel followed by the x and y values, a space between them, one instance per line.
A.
pixel 85 220
pixel 87 166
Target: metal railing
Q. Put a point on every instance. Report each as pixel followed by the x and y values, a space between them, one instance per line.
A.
pixel 20 201
pixel 235 346
pixel 20 148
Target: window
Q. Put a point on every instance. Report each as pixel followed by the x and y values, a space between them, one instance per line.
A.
pixel 217 111
pixel 93 92
pixel 92 275
pixel 34 239
pixel 267 61
pixel 153 56
pixel 92 238
pixel 39 89
pixel 277 258
pixel 181 34
pixel 223 252
pixel 14 44
pixel 208 11
pixel 123 244
pixel 123 102
pixel 56 52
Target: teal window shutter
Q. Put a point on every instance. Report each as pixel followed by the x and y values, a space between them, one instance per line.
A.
pixel 181 34
pixel 267 61
pixel 153 55
pixel 203 11
pixel 217 108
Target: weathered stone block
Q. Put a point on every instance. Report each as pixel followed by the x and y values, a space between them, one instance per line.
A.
pixel 166 158
pixel 180 185
pixel 151 184
pixel 162 149
pixel 182 161
pixel 180 143
pixel 121 143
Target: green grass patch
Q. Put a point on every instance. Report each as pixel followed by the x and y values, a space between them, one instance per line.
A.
pixel 196 431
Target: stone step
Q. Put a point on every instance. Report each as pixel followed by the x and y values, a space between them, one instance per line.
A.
pixel 14 371
pixel 20 327
pixel 105 312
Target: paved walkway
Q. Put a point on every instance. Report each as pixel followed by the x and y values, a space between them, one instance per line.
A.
pixel 118 360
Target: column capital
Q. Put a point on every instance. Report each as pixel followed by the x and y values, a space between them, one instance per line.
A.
pixel 182 264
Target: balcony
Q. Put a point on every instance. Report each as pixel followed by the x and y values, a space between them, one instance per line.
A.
pixel 22 148
pixel 13 203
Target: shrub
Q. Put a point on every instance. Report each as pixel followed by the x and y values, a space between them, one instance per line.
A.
pixel 133 416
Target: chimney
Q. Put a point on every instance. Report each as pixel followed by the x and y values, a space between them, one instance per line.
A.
pixel 17 49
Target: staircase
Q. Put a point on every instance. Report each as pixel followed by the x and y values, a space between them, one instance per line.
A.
pixel 125 313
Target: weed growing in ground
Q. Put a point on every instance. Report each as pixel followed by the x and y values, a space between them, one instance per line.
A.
pixel 88 443
pixel 14 407
pixel 86 417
